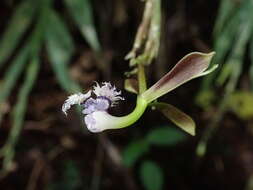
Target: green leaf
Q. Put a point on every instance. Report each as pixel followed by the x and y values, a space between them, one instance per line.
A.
pixel 179 118
pixel 225 41
pixel 81 11
pixel 11 76
pixel 20 107
pixel 151 176
pixel 133 152
pixel 222 46
pixel 18 24
pixel 251 59
pixel 69 180
pixel 19 112
pixel 226 9
pixel 58 38
pixel 165 136
pixel 60 49
pixel 224 74
pixel 236 56
pixel 30 77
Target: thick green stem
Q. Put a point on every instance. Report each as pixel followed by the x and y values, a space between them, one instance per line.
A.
pixel 103 120
pixel 131 118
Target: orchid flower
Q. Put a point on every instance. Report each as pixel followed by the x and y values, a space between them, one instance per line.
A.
pixel 96 102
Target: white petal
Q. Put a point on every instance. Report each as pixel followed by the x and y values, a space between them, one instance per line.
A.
pixel 100 120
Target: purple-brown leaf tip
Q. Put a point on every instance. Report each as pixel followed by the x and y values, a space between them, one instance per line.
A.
pixel 190 66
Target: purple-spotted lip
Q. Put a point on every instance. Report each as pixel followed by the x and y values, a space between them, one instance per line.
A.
pixel 96 104
pixel 87 102
pixel 98 97
pixel 105 98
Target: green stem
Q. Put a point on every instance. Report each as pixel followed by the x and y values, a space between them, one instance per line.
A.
pixel 141 78
pixel 131 118
pixel 103 120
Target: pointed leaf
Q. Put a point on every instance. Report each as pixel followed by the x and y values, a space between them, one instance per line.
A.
pixel 60 49
pixel 225 11
pixel 18 113
pixel 189 67
pixel 20 107
pixel 151 176
pixel 18 24
pixel 19 110
pixel 58 38
pixel 179 118
pixel 225 40
pixel 131 85
pixel 30 77
pixel 81 11
pixel 11 76
pixel 165 136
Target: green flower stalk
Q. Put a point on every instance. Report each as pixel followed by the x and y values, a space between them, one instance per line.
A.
pixel 95 109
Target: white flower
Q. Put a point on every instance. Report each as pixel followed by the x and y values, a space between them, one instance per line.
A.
pixel 101 120
pixel 95 108
pixel 108 91
pixel 75 99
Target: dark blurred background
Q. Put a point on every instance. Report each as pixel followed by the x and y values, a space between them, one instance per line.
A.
pixel 52 48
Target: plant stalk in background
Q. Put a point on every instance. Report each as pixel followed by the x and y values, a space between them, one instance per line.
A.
pixel 44 26
pixel 232 33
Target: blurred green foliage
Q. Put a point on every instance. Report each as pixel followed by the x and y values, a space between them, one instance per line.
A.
pixel 134 151
pixel 241 103
pixel 232 34
pixel 151 176
pixel 159 136
pixel 150 173
pixel 165 136
pixel 70 180
pixel 33 25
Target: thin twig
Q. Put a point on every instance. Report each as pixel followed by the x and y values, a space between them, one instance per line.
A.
pixel 37 169
pixel 97 172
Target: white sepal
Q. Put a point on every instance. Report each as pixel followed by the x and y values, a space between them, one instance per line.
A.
pixel 75 99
